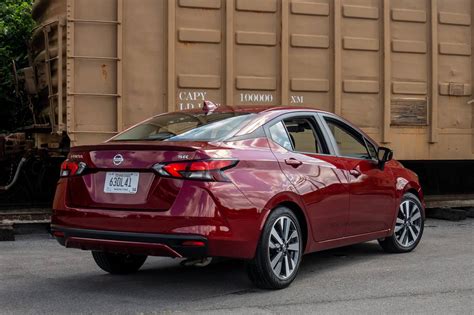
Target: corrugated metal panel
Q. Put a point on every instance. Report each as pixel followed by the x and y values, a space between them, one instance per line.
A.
pixel 400 69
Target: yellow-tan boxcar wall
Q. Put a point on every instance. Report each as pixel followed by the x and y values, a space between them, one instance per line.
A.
pixel 400 69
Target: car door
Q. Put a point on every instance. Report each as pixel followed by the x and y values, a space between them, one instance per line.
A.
pixel 303 155
pixel 372 189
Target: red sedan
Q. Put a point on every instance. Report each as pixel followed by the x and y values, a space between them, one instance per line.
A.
pixel 257 183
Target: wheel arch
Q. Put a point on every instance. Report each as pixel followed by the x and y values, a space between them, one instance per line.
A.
pixel 292 202
pixel 300 215
pixel 414 189
pixel 416 192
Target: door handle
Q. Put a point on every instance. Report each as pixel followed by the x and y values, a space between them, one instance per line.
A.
pixel 293 162
pixel 355 172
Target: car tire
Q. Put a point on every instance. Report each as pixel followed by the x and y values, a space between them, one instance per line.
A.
pixel 119 264
pixel 277 257
pixel 409 226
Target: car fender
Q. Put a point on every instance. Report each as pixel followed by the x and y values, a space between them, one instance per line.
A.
pixel 284 197
pixel 406 183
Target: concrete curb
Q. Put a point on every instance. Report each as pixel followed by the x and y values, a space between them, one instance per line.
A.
pixel 446 214
pixel 7 232
pixel 23 221
pixel 469 211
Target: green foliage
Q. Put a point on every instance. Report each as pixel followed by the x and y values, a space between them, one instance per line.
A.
pixel 16 25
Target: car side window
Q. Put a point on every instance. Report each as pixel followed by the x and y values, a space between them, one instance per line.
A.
pixel 302 135
pixel 348 143
pixel 279 135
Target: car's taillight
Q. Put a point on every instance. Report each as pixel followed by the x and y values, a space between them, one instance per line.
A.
pixel 210 170
pixel 71 168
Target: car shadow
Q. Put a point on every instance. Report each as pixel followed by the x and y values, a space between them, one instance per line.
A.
pixel 167 280
pixel 331 259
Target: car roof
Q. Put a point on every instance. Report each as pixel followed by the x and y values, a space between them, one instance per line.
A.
pixel 278 110
pixel 256 108
pixel 273 111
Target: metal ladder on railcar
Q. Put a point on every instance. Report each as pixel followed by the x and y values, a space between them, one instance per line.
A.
pixel 57 125
pixel 71 57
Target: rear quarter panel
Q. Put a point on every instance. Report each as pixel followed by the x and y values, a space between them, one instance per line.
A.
pixel 260 179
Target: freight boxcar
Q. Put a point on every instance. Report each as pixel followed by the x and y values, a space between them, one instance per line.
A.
pixel 400 69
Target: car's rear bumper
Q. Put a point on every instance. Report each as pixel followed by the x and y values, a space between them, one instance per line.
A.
pixel 227 231
pixel 154 233
pixel 132 243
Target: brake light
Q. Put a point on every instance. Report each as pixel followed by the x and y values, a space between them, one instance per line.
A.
pixel 209 170
pixel 71 168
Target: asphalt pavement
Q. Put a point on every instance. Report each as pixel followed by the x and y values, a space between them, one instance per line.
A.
pixel 38 276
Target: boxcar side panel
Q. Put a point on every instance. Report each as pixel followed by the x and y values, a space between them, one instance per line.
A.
pixel 400 69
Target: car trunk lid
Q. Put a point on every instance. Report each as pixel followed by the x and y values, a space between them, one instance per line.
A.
pixel 121 176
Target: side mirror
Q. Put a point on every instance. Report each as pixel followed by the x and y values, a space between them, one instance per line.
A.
pixel 384 155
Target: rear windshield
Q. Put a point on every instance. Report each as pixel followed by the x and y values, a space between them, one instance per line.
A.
pixel 182 126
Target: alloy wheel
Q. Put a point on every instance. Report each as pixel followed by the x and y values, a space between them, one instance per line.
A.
pixel 408 225
pixel 284 247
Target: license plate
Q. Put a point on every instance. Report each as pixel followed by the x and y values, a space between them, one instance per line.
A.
pixel 121 183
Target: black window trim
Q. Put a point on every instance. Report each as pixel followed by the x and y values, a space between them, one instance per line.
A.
pixel 316 126
pixel 348 127
pixel 367 142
